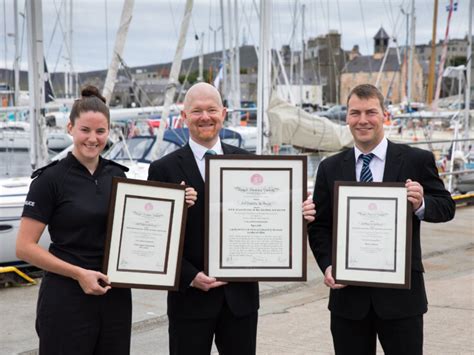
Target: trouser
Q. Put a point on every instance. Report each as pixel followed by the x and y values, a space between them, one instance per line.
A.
pixel 359 337
pixel 70 322
pixel 233 335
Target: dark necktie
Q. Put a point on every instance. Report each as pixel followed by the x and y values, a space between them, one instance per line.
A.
pixel 210 152
pixel 366 174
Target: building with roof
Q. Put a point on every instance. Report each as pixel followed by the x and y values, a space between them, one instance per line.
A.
pixel 323 61
pixel 456 54
pixel 391 78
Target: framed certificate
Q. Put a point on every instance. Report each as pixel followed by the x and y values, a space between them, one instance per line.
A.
pixel 145 234
pixel 255 229
pixel 372 235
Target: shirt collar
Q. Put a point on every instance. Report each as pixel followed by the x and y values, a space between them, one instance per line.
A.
pixel 380 151
pixel 200 150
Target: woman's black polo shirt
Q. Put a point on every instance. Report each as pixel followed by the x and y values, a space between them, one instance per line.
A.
pixel 74 205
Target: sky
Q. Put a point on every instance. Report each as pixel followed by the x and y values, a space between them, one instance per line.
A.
pixel 154 29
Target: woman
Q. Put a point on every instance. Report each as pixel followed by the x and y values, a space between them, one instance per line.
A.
pixel 77 312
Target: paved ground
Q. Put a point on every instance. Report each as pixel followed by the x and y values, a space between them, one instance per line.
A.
pixel 293 316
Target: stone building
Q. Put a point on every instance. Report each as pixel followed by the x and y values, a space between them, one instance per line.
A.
pixel 323 61
pixel 392 77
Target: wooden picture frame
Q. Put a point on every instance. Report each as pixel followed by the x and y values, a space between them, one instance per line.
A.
pixel 372 234
pixel 255 230
pixel 145 234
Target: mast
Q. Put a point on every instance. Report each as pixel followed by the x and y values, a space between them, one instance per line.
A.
pixel 382 66
pixel 224 59
pixel 67 68
pixel 467 90
pixel 174 74
pixel 72 88
pixel 302 56
pixel 431 76
pixel 16 63
pixel 201 59
pixel 231 97
pixel 122 31
pixel 443 58
pixel 236 114
pixel 264 74
pixel 34 24
pixel 412 55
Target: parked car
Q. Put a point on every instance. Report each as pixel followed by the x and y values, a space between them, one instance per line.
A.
pixel 335 113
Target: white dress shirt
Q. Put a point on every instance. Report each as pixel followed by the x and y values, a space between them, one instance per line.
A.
pixel 199 151
pixel 377 167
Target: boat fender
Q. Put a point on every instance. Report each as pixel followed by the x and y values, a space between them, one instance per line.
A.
pixel 39 171
pixel 123 167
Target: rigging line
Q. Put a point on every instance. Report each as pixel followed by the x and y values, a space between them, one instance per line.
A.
pixel 22 32
pixel 294 20
pixel 314 11
pixel 55 26
pixel 185 81
pixel 173 19
pixel 250 33
pixel 396 22
pixel 209 33
pixel 365 35
pixel 7 72
pixel 106 35
pixel 56 80
pixel 66 45
pixel 57 59
pixel 388 14
pixel 340 29
pixel 328 15
pixel 325 25
pixel 279 25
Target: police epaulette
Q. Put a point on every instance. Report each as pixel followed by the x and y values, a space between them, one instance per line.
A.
pixel 123 167
pixel 39 171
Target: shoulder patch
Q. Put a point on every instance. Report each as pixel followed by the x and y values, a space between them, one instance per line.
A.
pixel 123 167
pixel 39 171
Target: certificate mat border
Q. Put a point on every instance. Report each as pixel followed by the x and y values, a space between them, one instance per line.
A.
pixel 406 284
pixel 290 239
pixel 180 189
pixel 349 200
pixel 266 162
pixel 168 237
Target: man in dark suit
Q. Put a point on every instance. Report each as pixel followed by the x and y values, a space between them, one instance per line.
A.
pixel 204 307
pixel 359 314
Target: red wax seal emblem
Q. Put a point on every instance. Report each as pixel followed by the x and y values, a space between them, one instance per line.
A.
pixel 148 206
pixel 256 179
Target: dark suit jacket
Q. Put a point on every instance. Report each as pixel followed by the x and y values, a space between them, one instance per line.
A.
pixel 242 298
pixel 402 162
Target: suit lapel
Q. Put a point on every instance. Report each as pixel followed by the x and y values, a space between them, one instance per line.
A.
pixel 188 165
pixel 348 166
pixel 393 163
pixel 227 148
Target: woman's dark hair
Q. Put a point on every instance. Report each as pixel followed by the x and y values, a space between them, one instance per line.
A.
pixel 91 100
